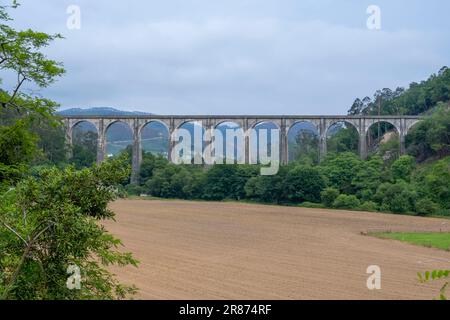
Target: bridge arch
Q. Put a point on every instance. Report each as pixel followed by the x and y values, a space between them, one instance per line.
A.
pixel 83 143
pixel 335 122
pixel 352 137
pixel 383 137
pixel 118 137
pixel 197 142
pixel 239 122
pixel 258 147
pixel 394 123
pixel 410 124
pixel 230 151
pixel 303 139
pixel 76 123
pixel 154 137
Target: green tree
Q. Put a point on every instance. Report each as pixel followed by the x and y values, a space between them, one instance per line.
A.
pixel 340 170
pixel 417 99
pixel 303 183
pixel 328 195
pixel 84 151
pixel 367 180
pixel 344 201
pixel 150 163
pixel 17 149
pixel 306 147
pixel 50 222
pixel 431 137
pixel 266 188
pixel 21 56
pixel 396 197
pixel 345 139
pixel 403 167
pixel 433 182
pixel 227 181
pixel 221 182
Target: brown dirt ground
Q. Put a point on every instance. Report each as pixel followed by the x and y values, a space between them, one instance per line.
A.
pixel 210 250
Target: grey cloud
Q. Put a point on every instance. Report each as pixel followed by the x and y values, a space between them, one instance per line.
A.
pixel 233 62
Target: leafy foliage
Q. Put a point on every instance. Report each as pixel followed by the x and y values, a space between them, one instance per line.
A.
pixel 51 221
pixel 344 201
pixel 436 275
pixel 417 99
pixel 303 183
pixel 345 139
pixel 431 137
pixel 328 195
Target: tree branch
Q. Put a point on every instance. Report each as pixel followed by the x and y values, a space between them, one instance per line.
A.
pixel 13 231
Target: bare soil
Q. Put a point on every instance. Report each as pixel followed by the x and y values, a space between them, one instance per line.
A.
pixel 217 250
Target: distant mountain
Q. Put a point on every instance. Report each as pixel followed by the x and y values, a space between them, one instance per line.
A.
pixel 99 111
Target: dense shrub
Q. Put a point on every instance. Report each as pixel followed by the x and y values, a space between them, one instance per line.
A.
pixel 149 164
pixel 403 167
pixel 328 196
pixel 426 206
pixel 307 204
pixel 265 188
pixel 396 197
pixel 367 180
pixel 134 190
pixel 340 170
pixel 223 181
pixel 435 183
pixel 430 138
pixel 344 201
pixel 303 183
pixel 368 206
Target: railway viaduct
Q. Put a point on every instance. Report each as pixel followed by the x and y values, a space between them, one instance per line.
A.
pixel 284 122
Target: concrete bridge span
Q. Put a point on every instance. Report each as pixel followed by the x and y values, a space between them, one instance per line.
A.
pixel 284 123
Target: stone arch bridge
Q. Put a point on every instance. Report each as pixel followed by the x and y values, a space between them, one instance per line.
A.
pixel 283 122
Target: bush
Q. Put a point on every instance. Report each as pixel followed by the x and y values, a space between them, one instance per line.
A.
pixel 426 206
pixel 313 205
pixel 328 196
pixel 403 167
pixel 344 201
pixel 221 182
pixel 396 197
pixel 134 190
pixel 149 164
pixel 437 183
pixel 340 170
pixel 303 183
pixel 368 206
pixel 265 188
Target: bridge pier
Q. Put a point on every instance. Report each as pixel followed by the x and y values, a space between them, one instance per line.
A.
pixel 246 142
pixel 69 142
pixel 323 128
pixel 101 142
pixel 136 157
pixel 362 146
pixel 284 157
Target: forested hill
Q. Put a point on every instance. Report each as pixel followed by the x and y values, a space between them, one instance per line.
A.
pixel 99 111
pixel 419 98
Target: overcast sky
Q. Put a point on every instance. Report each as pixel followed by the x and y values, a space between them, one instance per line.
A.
pixel 238 56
